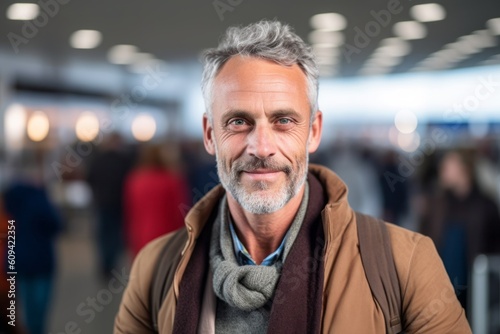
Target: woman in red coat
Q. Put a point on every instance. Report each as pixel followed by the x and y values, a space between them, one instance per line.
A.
pixel 155 197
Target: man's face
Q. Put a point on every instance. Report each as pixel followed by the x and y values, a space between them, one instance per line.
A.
pixel 261 132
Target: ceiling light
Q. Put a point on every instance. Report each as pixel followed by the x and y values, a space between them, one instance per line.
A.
pixel 395 41
pixel 122 54
pixel 450 55
pixel 435 62
pixel 427 61
pixel 494 25
pixel 460 48
pixel 329 38
pixel 38 126
pixel 23 11
pixel 328 21
pixel 388 61
pixel 85 39
pixel 393 46
pixel 409 30
pixel 469 44
pixel 428 12
pixel 372 63
pixel 426 64
pixel 484 39
pixel 393 50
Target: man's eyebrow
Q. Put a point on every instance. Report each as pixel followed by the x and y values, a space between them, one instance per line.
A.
pixel 237 113
pixel 285 112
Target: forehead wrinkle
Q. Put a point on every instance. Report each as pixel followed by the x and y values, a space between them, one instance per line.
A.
pixel 278 102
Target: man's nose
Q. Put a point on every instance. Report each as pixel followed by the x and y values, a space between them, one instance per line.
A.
pixel 261 142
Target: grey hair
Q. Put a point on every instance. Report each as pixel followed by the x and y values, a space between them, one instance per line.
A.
pixel 269 40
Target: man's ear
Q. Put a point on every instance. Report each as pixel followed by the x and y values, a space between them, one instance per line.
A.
pixel 208 133
pixel 315 133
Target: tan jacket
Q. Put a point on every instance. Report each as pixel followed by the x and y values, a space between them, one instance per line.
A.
pixel 429 301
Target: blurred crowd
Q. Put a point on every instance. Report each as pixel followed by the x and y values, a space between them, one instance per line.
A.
pixel 450 195
pixel 140 192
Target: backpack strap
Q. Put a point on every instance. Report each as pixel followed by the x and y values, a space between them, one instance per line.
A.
pixel 378 262
pixel 166 266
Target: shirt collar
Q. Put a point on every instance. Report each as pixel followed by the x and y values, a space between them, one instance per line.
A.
pixel 245 259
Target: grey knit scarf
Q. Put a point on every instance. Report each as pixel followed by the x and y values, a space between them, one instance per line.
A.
pixel 246 287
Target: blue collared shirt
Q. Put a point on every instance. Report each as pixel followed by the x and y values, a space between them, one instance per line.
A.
pixel 245 259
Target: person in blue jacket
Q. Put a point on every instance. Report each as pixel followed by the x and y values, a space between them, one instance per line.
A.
pixel 37 224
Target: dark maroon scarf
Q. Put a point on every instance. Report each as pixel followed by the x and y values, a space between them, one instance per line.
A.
pixel 297 302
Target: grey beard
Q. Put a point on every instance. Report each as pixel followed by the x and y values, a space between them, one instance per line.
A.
pixel 254 202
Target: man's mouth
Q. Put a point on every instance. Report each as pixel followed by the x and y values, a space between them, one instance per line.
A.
pixel 262 174
pixel 262 171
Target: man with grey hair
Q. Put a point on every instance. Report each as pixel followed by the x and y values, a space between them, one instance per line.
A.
pixel 275 248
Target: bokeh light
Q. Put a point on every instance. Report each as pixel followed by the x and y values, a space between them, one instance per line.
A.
pixel 143 127
pixel 406 121
pixel 15 126
pixel 38 126
pixel 87 126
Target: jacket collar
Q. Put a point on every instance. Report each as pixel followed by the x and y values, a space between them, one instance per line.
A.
pixel 337 214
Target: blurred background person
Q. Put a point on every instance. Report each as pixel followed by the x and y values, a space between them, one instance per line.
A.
pixel 201 171
pixel 37 224
pixel 462 221
pixel 106 176
pixel 154 194
pixel 395 193
pixel 488 169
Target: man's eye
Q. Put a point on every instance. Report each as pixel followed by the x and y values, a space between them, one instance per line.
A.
pixel 284 121
pixel 237 122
